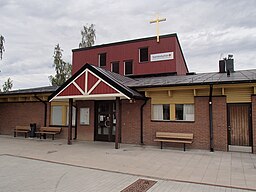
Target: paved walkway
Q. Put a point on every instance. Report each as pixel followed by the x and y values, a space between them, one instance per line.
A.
pixel 237 170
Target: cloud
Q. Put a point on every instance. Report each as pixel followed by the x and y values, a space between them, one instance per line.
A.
pixel 206 30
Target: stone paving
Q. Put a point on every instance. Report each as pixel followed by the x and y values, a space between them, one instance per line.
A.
pixel 103 166
pixel 28 175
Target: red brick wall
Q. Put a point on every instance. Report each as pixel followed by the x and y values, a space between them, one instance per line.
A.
pixel 85 132
pixel 254 123
pixel 12 114
pixel 130 121
pixel 220 134
pixel 200 127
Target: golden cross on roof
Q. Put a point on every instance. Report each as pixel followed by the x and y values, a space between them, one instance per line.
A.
pixel 157 20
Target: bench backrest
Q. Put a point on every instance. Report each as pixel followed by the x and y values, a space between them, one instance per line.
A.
pixel 50 129
pixel 169 135
pixel 25 128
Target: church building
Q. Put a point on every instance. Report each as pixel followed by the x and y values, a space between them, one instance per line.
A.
pixel 126 92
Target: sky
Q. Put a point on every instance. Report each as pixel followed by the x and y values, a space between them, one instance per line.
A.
pixel 208 30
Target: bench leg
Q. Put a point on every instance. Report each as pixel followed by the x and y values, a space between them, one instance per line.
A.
pixel 161 145
pixel 14 134
pixel 26 135
pixel 184 147
pixel 52 137
pixel 44 136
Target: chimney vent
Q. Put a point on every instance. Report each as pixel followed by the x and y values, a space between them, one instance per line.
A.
pixel 226 65
pixel 222 66
pixel 230 64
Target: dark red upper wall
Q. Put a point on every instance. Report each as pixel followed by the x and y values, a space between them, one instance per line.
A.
pixel 129 50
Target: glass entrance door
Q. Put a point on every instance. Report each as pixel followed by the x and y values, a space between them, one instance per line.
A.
pixel 105 122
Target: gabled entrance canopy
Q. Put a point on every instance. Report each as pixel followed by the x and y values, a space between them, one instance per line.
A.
pixel 94 83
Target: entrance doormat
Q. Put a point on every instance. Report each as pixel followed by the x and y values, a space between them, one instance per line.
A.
pixel 141 185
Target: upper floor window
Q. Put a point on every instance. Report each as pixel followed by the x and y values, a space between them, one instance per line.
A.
pixel 143 54
pixel 115 67
pixel 128 68
pixel 102 59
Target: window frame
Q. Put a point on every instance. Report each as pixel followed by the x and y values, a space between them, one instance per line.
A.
pixel 125 67
pixel 163 115
pixel 63 114
pixel 140 55
pixel 99 59
pixel 184 117
pixel 115 62
pixel 172 113
pixel 59 115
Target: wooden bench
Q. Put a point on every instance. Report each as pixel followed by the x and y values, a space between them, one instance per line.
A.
pixel 22 129
pixel 48 131
pixel 185 138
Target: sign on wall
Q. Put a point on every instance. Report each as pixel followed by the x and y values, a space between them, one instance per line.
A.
pixel 84 116
pixel 161 56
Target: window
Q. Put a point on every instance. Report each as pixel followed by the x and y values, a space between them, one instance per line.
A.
pixel 56 115
pixel 115 67
pixel 143 54
pixel 127 67
pixel 60 115
pixel 161 112
pixel 102 59
pixel 184 112
pixel 73 116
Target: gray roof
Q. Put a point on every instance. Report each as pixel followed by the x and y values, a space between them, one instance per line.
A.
pixel 244 76
pixel 121 80
pixel 115 80
pixel 130 84
pixel 48 89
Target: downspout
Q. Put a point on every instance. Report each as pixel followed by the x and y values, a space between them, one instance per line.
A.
pixel 141 121
pixel 210 119
pixel 76 123
pixel 45 109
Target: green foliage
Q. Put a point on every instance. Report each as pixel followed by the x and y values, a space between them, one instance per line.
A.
pixel 7 86
pixel 62 68
pixel 1 46
pixel 88 36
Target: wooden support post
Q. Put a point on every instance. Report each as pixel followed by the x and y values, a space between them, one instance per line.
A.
pixel 70 121
pixel 117 122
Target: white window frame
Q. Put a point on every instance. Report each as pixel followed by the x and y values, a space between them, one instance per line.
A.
pixel 157 112
pixel 99 55
pixel 73 116
pixel 59 116
pixel 112 66
pixel 124 67
pixel 187 116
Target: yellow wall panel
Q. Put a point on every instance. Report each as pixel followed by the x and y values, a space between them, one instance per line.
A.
pixel 238 95
pixel 179 96
pixel 59 103
pixel 206 92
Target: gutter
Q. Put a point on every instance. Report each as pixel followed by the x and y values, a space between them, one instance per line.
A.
pixel 141 121
pixel 192 84
pixel 210 119
pixel 45 108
